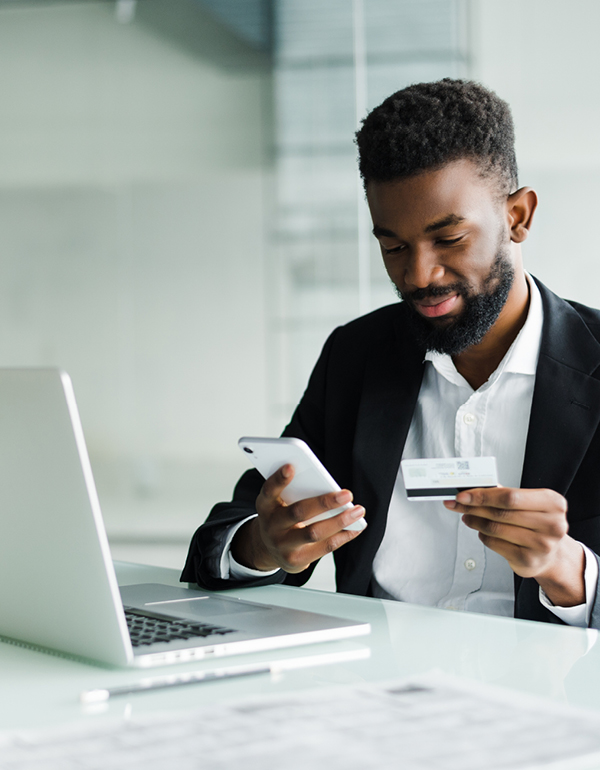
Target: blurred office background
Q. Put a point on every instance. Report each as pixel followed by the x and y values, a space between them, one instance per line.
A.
pixel 182 223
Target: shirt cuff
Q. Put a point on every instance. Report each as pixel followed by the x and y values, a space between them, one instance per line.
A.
pixel 579 615
pixel 229 567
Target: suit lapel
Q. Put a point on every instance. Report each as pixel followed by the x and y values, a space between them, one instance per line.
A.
pixel 391 387
pixel 565 411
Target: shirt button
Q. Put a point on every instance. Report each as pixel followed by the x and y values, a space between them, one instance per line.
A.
pixel 470 564
pixel 469 419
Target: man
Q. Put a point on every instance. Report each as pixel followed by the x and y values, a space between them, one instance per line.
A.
pixel 479 359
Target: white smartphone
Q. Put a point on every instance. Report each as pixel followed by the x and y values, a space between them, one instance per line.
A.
pixel 311 478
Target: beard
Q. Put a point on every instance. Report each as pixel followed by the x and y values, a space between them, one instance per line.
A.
pixel 480 312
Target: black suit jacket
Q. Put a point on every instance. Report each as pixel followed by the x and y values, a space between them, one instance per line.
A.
pixel 356 412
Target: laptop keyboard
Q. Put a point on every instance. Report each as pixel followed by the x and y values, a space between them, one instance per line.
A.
pixel 148 628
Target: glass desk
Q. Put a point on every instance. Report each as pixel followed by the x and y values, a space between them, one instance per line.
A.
pixel 551 661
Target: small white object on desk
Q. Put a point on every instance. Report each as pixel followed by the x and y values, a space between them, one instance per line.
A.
pixel 230 672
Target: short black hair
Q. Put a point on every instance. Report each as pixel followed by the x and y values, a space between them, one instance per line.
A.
pixel 427 125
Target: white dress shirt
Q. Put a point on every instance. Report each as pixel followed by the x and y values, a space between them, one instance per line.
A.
pixel 427 555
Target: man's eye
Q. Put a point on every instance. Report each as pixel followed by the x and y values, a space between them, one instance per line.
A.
pixel 393 249
pixel 450 241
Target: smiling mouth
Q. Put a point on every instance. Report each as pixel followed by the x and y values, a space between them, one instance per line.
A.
pixel 439 307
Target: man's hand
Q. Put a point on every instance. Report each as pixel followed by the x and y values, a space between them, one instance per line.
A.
pixel 528 527
pixel 279 538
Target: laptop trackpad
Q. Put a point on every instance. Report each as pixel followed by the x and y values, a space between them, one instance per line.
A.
pixel 187 602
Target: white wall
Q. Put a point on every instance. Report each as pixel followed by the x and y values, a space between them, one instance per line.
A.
pixel 132 227
pixel 543 57
pixel 132 179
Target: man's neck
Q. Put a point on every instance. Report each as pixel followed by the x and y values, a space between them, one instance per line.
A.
pixel 478 362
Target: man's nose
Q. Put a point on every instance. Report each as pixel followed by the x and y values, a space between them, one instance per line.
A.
pixel 422 269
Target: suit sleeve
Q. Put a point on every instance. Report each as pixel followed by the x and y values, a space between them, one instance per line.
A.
pixel 203 560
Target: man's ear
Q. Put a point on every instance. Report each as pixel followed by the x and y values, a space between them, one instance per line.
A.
pixel 521 206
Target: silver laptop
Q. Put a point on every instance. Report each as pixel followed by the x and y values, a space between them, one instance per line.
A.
pixel 58 588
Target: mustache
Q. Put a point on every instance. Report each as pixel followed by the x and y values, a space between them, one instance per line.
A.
pixel 434 291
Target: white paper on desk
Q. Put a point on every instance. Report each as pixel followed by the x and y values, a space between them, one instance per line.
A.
pixel 433 722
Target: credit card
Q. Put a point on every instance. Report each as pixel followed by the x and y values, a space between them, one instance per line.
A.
pixel 442 478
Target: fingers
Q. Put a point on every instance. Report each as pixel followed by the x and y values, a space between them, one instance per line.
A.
pixel 323 530
pixel 529 560
pixel 286 534
pixel 304 510
pixel 530 530
pixel 269 496
pixel 505 499
pixel 301 546
pixel 504 513
pixel 269 500
pixel 525 526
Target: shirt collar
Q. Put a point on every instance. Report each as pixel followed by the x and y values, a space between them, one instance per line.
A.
pixel 521 357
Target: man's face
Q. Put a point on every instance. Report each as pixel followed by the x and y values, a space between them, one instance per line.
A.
pixel 446 246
